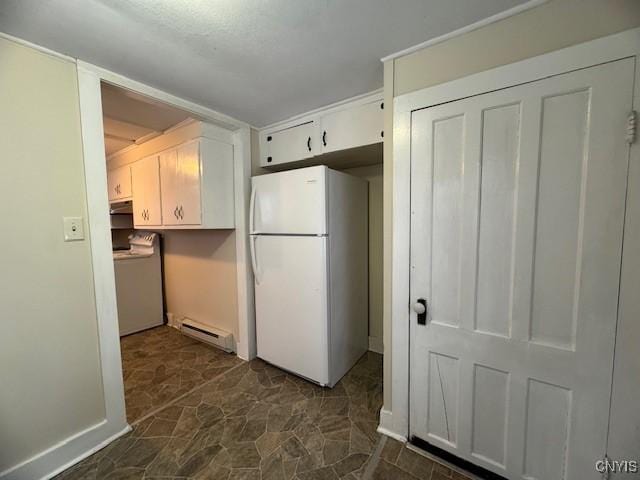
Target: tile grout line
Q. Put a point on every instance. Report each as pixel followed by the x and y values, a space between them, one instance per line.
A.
pixel 374 459
pixel 175 400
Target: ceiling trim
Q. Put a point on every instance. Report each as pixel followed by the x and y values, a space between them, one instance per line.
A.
pixel 37 47
pixel 466 29
pixel 201 112
pixel 323 109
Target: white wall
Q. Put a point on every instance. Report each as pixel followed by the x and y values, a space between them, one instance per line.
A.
pixel 200 265
pixel 551 26
pixel 50 383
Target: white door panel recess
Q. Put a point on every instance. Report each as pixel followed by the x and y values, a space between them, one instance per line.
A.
pixel 517 200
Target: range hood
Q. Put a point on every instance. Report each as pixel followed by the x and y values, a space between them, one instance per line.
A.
pixel 121 215
pixel 117 208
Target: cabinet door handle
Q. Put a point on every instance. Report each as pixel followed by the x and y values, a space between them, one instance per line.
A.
pixel 181 211
pixel 175 212
pixel 324 138
pixel 309 143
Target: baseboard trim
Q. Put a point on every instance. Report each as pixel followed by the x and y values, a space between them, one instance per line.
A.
pixel 376 345
pixel 61 456
pixel 386 426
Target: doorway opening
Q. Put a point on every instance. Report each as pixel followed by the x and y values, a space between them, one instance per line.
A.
pixel 174 260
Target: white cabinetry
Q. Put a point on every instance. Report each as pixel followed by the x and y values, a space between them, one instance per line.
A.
pixel 119 183
pixel 196 185
pixel 293 143
pixel 145 186
pixel 345 126
pixel 352 127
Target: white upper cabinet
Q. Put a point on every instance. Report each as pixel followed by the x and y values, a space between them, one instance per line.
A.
pixel 196 185
pixel 180 178
pixel 119 183
pixel 349 125
pixel 145 186
pixel 352 127
pixel 290 144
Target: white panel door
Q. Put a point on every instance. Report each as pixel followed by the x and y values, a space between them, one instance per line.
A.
pixel 352 127
pixel 291 303
pixel 516 235
pixel 290 144
pixel 292 202
pixel 145 185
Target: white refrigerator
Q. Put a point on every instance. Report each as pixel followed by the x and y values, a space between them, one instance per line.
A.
pixel 309 253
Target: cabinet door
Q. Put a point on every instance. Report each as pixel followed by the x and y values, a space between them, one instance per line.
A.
pixel 289 145
pixel 188 193
pixel 112 185
pixel 353 127
pixel 145 186
pixel 119 183
pixel 169 186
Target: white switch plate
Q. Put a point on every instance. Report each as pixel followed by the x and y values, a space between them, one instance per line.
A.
pixel 73 229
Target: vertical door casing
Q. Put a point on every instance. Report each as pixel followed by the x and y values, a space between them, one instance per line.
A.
pixel 352 127
pixel 517 203
pixel 145 186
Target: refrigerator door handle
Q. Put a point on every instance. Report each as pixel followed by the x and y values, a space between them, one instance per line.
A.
pixel 254 260
pixel 252 207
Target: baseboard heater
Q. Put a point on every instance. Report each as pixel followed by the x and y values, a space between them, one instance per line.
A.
pixel 207 334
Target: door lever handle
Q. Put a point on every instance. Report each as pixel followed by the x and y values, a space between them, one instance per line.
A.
pixel 420 307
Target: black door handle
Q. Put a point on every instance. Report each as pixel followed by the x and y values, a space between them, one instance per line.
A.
pixel 420 308
pixel 309 143
pixel 324 138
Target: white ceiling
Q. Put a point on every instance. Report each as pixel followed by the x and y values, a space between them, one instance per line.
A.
pixel 131 118
pixel 257 60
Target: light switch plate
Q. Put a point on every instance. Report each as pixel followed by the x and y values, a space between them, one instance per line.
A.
pixel 73 229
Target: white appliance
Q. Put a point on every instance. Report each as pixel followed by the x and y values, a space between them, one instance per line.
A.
pixel 139 283
pixel 309 252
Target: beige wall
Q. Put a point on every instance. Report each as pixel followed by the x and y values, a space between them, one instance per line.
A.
pixel 50 384
pixel 200 276
pixel 551 26
pixel 199 265
pixel 373 174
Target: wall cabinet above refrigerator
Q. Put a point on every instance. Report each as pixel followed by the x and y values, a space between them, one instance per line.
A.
pixel 334 135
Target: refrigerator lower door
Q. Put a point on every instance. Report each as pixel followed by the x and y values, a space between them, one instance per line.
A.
pixel 291 304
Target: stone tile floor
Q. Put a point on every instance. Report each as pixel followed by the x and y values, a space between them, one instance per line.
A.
pixel 160 364
pixel 256 422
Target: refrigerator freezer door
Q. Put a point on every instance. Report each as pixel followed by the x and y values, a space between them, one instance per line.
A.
pixel 291 304
pixel 292 202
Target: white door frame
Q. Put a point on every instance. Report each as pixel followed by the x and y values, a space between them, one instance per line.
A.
pixel 614 47
pixel 89 78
